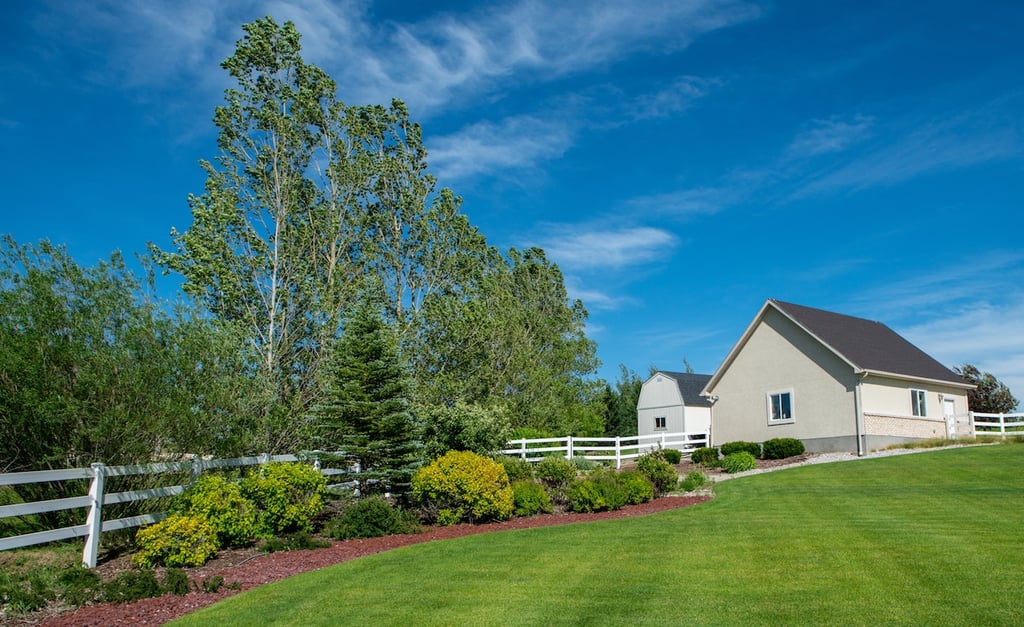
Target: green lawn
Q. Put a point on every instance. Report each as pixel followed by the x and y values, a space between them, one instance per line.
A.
pixel 929 538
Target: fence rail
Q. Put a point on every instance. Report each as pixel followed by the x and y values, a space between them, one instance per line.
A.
pixel 1001 425
pixel 97 498
pixel 618 449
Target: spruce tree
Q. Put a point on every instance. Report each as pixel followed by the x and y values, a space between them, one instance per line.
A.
pixel 365 412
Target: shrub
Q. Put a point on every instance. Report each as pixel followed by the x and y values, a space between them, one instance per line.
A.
pixel 639 488
pixel 25 595
pixel 79 585
pixel 660 473
pixel 213 584
pixel 295 541
pixel 286 496
pixel 371 518
pixel 597 493
pixel 672 456
pixel 177 541
pixel 466 486
pixel 738 462
pixel 465 427
pixel 517 469
pixel 735 447
pixel 220 501
pixel 583 464
pixel 781 448
pixel 555 472
pixel 693 480
pixel 176 581
pixel 529 498
pixel 132 585
pixel 705 456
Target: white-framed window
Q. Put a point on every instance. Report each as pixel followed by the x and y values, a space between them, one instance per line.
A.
pixel 780 407
pixel 659 422
pixel 919 402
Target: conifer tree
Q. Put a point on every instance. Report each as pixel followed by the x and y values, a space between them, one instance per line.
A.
pixel 365 412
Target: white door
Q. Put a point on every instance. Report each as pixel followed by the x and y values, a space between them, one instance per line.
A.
pixel 949 411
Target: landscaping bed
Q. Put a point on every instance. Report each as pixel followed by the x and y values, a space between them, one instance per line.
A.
pixel 249 568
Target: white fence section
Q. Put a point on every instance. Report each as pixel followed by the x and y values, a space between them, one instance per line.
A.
pixel 1001 425
pixel 605 449
pixel 97 498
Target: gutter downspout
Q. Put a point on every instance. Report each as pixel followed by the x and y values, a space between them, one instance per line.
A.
pixel 858 408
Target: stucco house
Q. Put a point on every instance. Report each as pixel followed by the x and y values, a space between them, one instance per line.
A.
pixel 836 382
pixel 671 402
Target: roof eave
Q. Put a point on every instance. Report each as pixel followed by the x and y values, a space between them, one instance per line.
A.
pixel 907 377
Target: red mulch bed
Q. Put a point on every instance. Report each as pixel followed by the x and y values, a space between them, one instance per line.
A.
pixel 250 568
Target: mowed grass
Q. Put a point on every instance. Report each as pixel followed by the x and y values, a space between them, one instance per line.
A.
pixel 927 538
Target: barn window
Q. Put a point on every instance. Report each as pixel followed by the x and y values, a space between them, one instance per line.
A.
pixel 780 407
pixel 918 403
pixel 659 422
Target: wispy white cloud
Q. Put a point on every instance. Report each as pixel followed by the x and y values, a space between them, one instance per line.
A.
pixel 434 62
pixel 588 250
pixel 687 202
pixel 965 140
pixel 984 334
pixel 515 143
pixel 672 99
pixel 828 136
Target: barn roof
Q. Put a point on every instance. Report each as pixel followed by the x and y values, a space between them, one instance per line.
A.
pixel 690 386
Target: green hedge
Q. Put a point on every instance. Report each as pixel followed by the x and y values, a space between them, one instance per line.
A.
pixel 735 447
pixel 781 448
pixel 462 486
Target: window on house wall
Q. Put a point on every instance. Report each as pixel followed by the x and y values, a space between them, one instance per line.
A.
pixel 918 402
pixel 780 407
pixel 659 422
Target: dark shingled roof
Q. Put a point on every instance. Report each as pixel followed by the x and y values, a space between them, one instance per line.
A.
pixel 690 386
pixel 868 345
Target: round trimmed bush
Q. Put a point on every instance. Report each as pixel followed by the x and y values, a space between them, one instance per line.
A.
pixel 660 473
pixel 781 448
pixel 555 472
pixel 461 485
pixel 599 492
pixel 738 462
pixel 517 469
pixel 672 456
pixel 372 517
pixel 705 455
pixel 221 502
pixel 529 498
pixel 176 541
pixel 639 488
pixel 735 447
pixel 287 496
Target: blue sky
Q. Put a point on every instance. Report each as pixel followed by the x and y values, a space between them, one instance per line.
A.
pixel 682 161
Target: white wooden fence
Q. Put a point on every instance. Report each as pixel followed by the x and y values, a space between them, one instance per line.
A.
pixel 1001 425
pixel 605 449
pixel 97 498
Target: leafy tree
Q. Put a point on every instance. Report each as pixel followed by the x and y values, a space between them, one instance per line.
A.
pixel 515 338
pixel 365 412
pixel 991 396
pixel 92 370
pixel 465 427
pixel 620 404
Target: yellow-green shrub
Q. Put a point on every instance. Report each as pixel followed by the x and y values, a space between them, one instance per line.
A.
pixel 286 496
pixel 177 541
pixel 221 502
pixel 463 486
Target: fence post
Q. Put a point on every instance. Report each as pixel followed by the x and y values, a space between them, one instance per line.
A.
pixel 568 448
pixel 197 468
pixel 95 520
pixel 618 452
pixel 1002 425
pixel 523 454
